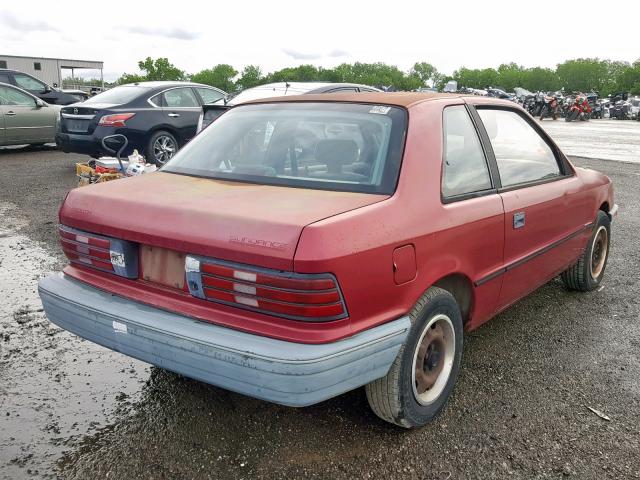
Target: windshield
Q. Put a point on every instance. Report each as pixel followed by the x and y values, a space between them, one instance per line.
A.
pixel 118 95
pixel 334 146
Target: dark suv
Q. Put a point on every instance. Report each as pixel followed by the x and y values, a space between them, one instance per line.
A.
pixel 36 87
pixel 156 117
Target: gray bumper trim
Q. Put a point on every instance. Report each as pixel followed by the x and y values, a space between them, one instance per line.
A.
pixel 283 372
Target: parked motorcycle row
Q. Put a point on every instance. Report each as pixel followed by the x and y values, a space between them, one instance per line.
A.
pixel 581 106
pixel 576 106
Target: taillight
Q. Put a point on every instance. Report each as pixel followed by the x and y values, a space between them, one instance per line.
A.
pixel 310 297
pixel 115 120
pixel 103 253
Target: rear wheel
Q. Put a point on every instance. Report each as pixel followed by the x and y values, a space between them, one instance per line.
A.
pixel 421 378
pixel 161 147
pixel 587 273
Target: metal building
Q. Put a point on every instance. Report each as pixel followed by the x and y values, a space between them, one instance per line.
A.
pixel 49 70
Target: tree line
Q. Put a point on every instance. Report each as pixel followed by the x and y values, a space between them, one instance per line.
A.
pixel 582 74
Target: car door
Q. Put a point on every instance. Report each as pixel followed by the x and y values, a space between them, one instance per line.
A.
pixel 3 140
pixel 473 209
pixel 544 212
pixel 25 121
pixel 181 109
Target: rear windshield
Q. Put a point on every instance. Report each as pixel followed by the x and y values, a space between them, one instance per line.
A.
pixel 118 95
pixel 334 146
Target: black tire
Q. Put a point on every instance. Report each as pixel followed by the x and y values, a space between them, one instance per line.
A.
pixel 394 398
pixel 155 153
pixel 587 273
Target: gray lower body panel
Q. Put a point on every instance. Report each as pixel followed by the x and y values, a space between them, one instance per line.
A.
pixel 282 372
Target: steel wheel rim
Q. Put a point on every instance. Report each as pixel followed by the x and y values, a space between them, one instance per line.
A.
pixel 433 359
pixel 599 250
pixel 163 148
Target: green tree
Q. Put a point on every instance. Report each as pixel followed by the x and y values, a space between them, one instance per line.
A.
pixel 476 78
pixel 425 72
pixel 540 79
pixel 221 76
pixel 628 79
pixel 583 74
pixel 301 73
pixel 130 78
pixel 250 76
pixel 510 76
pixel 160 69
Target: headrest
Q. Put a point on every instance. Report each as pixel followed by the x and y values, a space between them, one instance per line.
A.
pixel 336 152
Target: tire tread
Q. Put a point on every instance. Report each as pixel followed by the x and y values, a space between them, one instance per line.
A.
pixel 384 394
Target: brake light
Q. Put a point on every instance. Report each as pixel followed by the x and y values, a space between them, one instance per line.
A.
pixel 309 297
pixel 103 253
pixel 115 120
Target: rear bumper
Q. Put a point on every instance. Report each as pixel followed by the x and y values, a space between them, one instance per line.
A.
pixel 282 372
pixel 85 144
pixel 91 144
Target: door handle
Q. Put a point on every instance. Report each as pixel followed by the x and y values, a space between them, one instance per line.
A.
pixel 10 113
pixel 174 114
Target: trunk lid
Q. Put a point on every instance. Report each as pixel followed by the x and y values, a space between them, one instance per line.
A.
pixel 80 118
pixel 247 223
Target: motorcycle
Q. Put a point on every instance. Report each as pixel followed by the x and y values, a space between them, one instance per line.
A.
pixel 538 104
pixel 549 108
pixel 580 110
pixel 620 110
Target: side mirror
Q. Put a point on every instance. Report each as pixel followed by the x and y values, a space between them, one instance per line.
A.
pixel 40 103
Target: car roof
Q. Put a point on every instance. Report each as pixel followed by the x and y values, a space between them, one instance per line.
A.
pixel 401 99
pixel 165 84
pixel 279 89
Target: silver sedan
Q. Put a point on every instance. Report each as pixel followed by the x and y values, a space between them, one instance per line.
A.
pixel 24 118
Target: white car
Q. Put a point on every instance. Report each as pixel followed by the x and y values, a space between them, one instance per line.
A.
pixel 280 89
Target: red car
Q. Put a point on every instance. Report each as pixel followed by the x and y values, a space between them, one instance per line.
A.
pixel 301 247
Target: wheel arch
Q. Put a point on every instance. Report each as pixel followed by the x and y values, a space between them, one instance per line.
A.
pixel 164 127
pixel 460 286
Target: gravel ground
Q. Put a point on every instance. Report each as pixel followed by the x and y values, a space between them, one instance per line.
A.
pixel 70 409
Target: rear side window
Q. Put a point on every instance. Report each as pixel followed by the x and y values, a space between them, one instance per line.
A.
pixel 209 95
pixel 521 153
pixel 465 167
pixel 118 95
pixel 180 98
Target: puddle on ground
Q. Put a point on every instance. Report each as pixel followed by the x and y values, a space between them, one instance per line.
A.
pixel 55 388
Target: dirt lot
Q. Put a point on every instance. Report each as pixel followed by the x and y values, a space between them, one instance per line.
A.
pixel 71 409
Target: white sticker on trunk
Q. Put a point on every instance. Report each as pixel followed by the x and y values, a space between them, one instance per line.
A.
pixel 119 327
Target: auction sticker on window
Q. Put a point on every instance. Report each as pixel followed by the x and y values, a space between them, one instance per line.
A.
pixel 380 109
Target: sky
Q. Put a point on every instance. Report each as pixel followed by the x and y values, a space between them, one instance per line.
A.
pixel 195 35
